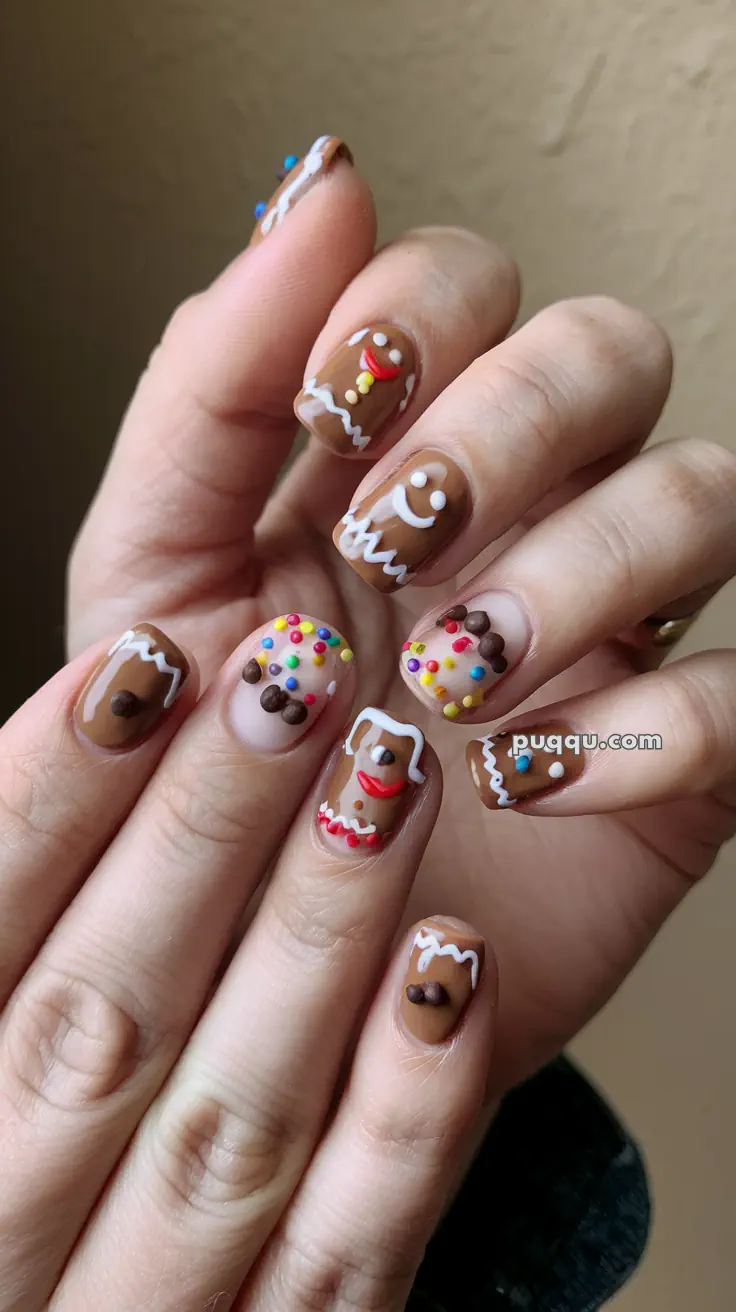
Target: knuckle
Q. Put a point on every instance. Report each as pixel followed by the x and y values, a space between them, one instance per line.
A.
pixel 316 1275
pixel 532 405
pixel 698 473
pixel 700 710
pixel 615 333
pixel 409 1135
pixel 31 813
pixel 312 917
pixel 196 808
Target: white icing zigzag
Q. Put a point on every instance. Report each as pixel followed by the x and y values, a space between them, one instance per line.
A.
pixel 494 774
pixel 348 822
pixel 355 540
pixel 326 395
pixel 383 721
pixel 410 381
pixel 311 164
pixel 142 644
pixel 431 947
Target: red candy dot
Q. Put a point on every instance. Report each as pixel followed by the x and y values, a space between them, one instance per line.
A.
pixel 460 644
pixel 293 619
pixel 352 840
pixel 319 646
pixel 432 666
pixel 451 627
pixel 334 827
pixel 296 636
pixel 406 646
pixel 309 699
pixel 372 840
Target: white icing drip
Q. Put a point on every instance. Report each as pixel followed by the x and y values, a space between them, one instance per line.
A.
pixel 410 381
pixel 431 948
pixel 142 644
pixel 348 822
pixel 311 164
pixel 474 772
pixel 357 337
pixel 331 688
pixel 355 540
pixel 326 395
pixel 383 721
pixel 404 511
pixel 494 774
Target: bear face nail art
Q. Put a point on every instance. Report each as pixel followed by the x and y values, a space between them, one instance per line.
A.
pixel 368 382
pixel 373 781
pixel 139 679
pixel 442 975
pixel 506 772
pixel 405 521
pixel 285 685
pixel 299 177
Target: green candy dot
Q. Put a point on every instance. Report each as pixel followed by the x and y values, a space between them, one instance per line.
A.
pixel 334 641
pixel 292 662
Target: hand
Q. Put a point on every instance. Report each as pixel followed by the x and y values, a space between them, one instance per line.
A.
pixel 583 539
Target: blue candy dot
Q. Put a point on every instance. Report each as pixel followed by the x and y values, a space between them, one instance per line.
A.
pixel 291 161
pixel 267 643
pixel 477 672
pixel 523 763
pixel 260 209
pixel 274 669
pixel 291 683
pixel 324 634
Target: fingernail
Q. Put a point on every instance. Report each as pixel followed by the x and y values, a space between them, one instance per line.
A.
pixel 442 975
pixel 125 696
pixel 294 669
pixel 508 768
pixel 454 666
pixel 297 176
pixel 366 383
pixel 372 784
pixel 406 520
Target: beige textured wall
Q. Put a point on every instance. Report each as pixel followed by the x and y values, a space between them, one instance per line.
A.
pixel 594 139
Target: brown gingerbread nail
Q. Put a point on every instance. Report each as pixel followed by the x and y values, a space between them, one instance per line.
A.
pixel 366 383
pixel 508 768
pixel 300 177
pixel 406 521
pixel 139 679
pixel 372 784
pixel 443 973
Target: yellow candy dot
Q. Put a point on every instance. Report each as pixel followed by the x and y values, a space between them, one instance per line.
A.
pixel 448 662
pixel 306 626
pixel 261 658
pixel 451 710
pixel 467 702
pixel 318 660
pixel 426 678
pixel 346 655
pixel 366 378
pixel 280 624
pixel 416 648
pixel 363 388
pixel 440 691
pixel 351 396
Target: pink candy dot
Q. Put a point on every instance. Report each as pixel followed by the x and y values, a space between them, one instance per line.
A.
pixel 372 840
pixel 352 840
pixel 319 646
pixel 406 646
pixel 293 619
pixel 460 644
pixel 296 636
pixel 451 627
pixel 309 699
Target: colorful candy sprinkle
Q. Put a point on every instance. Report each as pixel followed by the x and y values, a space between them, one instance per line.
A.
pixel 318 660
pixel 292 661
pixel 309 699
pixel 451 627
pixel 320 647
pixel 426 678
pixel 467 702
pixel 406 646
pixel 432 666
pixel 296 635
pixel 523 763
pixel 334 641
pixel 412 665
pixel 416 648
pixel 291 683
pixel 261 658
pixel 280 624
pixel 346 655
pixel 440 691
pixel 306 626
pixel 267 643
pixel 451 710
pixel 352 840
pixel 448 662
pixel 260 209
pixel 324 633
pixel 293 619
pixel 274 669
pixel 291 162
pixel 477 672
pixel 460 644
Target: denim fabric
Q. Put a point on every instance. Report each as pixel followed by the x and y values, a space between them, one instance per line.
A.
pixel 554 1214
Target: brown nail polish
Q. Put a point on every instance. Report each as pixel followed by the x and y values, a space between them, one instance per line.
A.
pixel 443 973
pixel 406 520
pixel 297 182
pixel 373 781
pixel 368 382
pixel 140 677
pixel 508 768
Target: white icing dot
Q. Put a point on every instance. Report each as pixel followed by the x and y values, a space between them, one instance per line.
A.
pixel 556 770
pixel 394 356
pixel 351 396
pixel 331 688
pixel 438 501
pixel 418 478
pixel 380 339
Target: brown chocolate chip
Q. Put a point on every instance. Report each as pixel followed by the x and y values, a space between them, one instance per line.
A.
pixel 294 712
pixel 435 995
pixel 491 645
pixel 415 993
pixel 477 622
pixel 125 704
pixel 273 698
pixel 457 613
pixel 499 664
pixel 252 672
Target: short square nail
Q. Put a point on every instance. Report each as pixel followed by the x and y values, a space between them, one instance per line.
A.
pixel 296 667
pixel 406 521
pixel 372 784
pixel 134 685
pixel 366 383
pixel 297 177
pixel 505 774
pixel 443 973
pixel 455 666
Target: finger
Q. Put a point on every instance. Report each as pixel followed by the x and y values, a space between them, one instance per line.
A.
pixel 661 527
pixel 665 735
pixel 212 420
pixel 94 1028
pixel 375 1189
pixel 411 320
pixel 73 761
pixel 582 379
pixel 250 1095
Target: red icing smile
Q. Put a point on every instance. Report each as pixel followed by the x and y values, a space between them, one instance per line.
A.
pixel 374 788
pixel 384 373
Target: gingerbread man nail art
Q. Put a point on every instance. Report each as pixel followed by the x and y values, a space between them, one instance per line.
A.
pixel 373 781
pixel 504 775
pixel 139 679
pixel 299 176
pixel 442 975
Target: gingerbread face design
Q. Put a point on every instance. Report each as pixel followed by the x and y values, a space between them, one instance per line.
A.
pixel 404 523
pixel 300 177
pixel 373 780
pixel 367 382
pixel 442 975
pixel 141 676
pixel 503 777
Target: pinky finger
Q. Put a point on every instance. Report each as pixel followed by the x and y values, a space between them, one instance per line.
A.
pixel 358 1226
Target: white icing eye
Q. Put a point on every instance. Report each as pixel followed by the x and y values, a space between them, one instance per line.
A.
pixel 438 501
pixel 418 478
pixel 380 339
pixel 556 770
pixel 394 356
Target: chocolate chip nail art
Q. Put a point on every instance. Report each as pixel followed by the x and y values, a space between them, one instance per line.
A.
pixel 139 679
pixel 300 177
pixel 406 521
pixel 507 769
pixel 296 669
pixel 454 666
pixel 442 975
pixel 368 381
pixel 373 781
